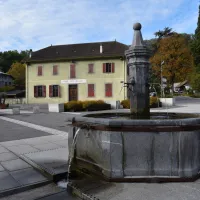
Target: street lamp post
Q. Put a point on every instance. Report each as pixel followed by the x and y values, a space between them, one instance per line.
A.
pixel 161 82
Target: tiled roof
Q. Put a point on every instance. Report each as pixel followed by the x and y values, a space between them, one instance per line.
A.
pixel 5 74
pixel 84 50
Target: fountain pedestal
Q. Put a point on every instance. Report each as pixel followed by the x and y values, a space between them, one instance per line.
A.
pixel 138 77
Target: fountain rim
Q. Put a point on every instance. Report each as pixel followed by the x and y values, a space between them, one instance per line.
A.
pixel 116 123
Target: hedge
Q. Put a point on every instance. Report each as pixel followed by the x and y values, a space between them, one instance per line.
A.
pixel 7 88
pixel 154 101
pixel 86 106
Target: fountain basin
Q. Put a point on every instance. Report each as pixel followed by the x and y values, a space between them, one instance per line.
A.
pixel 138 150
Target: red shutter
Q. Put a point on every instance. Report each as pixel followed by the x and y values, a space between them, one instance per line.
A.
pixel 55 69
pixel 113 67
pixel 50 91
pixel 39 70
pixel 90 90
pixel 43 91
pixel 108 88
pixel 104 67
pixel 35 91
pixel 72 71
pixel 59 91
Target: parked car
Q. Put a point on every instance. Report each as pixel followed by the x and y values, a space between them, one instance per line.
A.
pixel 153 94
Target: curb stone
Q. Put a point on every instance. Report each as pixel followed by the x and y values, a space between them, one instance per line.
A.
pixel 74 190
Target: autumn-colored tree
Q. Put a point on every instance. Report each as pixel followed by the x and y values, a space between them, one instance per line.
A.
pixel 17 71
pixel 178 61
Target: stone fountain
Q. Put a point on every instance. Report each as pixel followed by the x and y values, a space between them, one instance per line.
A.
pixel 139 149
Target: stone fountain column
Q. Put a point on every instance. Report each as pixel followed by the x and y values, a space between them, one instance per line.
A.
pixel 138 79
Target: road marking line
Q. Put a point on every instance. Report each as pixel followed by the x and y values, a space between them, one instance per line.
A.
pixel 37 127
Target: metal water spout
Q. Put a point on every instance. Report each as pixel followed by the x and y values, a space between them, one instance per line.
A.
pixel 137 57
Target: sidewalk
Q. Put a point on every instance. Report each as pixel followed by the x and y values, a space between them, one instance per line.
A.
pixel 19 158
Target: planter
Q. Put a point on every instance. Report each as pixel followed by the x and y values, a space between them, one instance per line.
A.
pixel 56 107
pixel 167 101
pixel 16 111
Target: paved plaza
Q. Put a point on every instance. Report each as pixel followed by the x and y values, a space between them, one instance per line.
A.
pixel 31 144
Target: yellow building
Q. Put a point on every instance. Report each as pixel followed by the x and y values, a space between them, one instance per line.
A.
pixel 88 71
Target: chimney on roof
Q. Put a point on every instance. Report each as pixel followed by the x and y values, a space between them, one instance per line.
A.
pixel 30 53
pixel 101 48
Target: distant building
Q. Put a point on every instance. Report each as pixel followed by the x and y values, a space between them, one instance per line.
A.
pixel 5 80
pixel 182 86
pixel 87 71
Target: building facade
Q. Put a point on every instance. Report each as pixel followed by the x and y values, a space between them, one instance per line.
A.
pixel 5 80
pixel 90 71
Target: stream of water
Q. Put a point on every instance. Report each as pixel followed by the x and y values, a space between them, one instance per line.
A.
pixel 64 183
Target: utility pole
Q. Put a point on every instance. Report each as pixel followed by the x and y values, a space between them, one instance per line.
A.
pixel 161 81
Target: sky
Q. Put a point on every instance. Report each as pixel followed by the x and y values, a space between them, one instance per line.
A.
pixel 36 24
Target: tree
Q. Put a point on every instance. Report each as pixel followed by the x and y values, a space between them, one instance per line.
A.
pixel 151 45
pixel 7 58
pixel 194 81
pixel 17 71
pixel 178 61
pixel 195 45
pixel 165 33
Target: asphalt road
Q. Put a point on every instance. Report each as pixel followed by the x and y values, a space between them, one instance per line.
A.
pixel 187 100
pixel 11 131
pixel 50 120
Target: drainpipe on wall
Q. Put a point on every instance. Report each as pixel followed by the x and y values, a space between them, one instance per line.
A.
pixel 124 77
pixel 26 83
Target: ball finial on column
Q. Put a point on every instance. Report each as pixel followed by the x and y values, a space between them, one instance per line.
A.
pixel 137 26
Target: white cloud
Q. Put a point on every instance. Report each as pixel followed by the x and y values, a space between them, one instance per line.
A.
pixel 40 23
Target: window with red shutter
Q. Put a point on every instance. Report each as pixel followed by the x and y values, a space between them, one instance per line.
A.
pixel 113 67
pixel 50 91
pixel 104 67
pixel 108 90
pixel 59 91
pixel 43 91
pixel 108 67
pixel 39 70
pixel 55 69
pixel 90 90
pixel 35 91
pixel 54 91
pixel 72 71
pixel 90 68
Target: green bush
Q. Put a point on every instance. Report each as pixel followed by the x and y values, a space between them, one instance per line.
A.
pixel 86 105
pixel 73 106
pixel 125 103
pixel 7 88
pixel 154 101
